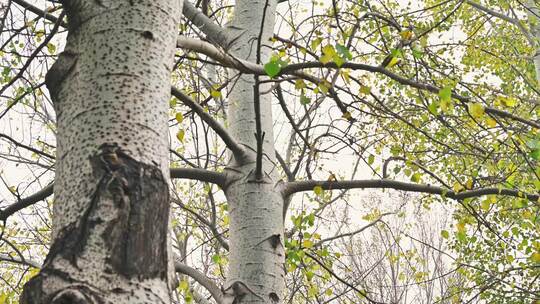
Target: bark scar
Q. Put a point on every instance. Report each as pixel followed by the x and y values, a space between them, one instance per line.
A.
pixel 236 291
pixel 59 71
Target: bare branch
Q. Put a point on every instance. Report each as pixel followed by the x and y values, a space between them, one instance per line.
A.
pixel 514 21
pixel 202 279
pixel 22 261
pixel 200 174
pixel 294 187
pixel 219 236
pixel 18 144
pixel 214 32
pixel 237 150
pixel 188 173
pixel 219 55
pixel 25 202
pixel 41 13
pixel 373 223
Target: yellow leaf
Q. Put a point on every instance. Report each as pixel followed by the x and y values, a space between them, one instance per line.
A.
pixel 406 35
pixel 307 243
pixel 469 183
pixel 457 187
pixel 476 110
pixel 180 135
pixel 184 285
pixel 345 75
pixel 393 62
pixel 328 54
pixel 215 94
pixel 508 101
pixel 535 257
pixel 318 190
pixel 461 227
pixel 492 123
pixel 179 117
pixel 299 84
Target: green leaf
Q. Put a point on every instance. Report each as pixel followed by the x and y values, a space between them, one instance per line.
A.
pixel 445 94
pixel 535 154
pixel 416 177
pixel 315 43
pixel 433 107
pixel 365 90
pixel 304 99
pixel 318 190
pixel 445 234
pixel 299 84
pixel 344 51
pixel 272 68
pixel 51 48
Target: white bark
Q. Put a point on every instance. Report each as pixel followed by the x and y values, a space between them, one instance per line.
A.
pixel 534 24
pixel 110 88
pixel 256 272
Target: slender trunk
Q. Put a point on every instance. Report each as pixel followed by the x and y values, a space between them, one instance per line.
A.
pixel 256 271
pixel 534 23
pixel 110 89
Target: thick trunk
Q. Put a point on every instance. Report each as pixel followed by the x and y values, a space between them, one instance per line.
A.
pixel 256 271
pixel 110 89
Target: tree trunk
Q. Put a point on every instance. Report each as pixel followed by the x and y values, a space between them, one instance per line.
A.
pixel 110 89
pixel 256 271
pixel 534 24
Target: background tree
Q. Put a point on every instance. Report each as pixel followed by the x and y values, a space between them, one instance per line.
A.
pixel 432 97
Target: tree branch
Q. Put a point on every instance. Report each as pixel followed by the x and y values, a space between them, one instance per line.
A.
pixel 294 187
pixel 200 174
pixel 202 279
pixel 22 261
pixel 219 55
pixel 18 144
pixel 295 69
pixel 214 32
pixel 373 223
pixel 188 173
pixel 530 38
pixel 41 13
pixel 25 202
pixel 237 150
pixel 212 226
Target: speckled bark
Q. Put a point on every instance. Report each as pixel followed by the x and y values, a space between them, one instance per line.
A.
pixel 110 89
pixel 256 226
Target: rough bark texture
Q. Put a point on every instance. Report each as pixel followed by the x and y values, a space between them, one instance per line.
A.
pixel 256 272
pixel 110 89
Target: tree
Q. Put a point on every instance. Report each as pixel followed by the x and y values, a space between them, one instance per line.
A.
pixel 383 85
